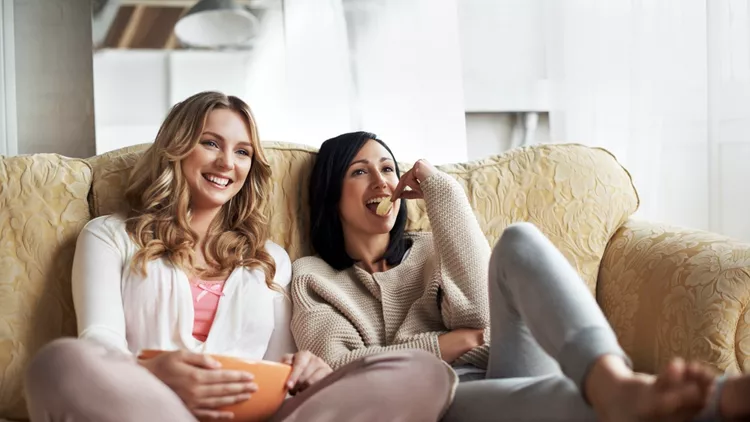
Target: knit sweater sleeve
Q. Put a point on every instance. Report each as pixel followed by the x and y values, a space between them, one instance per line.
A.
pixel 319 327
pixel 463 251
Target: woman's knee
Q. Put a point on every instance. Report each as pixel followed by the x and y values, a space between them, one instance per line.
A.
pixel 421 377
pixel 440 374
pixel 421 362
pixel 55 363
pixel 406 360
pixel 516 239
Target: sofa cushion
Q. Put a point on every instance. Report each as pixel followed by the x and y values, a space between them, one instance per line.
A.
pixel 577 195
pixel 43 207
pixel 111 172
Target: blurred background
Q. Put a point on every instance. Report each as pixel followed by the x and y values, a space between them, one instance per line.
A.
pixel 662 84
pixel 429 76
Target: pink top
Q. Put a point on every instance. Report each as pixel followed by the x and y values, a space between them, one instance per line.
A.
pixel 206 296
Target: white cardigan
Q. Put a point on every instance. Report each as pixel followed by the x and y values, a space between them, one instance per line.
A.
pixel 123 310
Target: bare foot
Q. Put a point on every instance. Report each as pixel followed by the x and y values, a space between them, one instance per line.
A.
pixel 734 403
pixel 617 394
pixel 734 400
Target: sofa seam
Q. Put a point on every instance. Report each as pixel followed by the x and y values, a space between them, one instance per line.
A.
pixel 630 176
pixel 735 350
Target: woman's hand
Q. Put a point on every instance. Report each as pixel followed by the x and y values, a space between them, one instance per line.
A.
pixel 459 341
pixel 307 369
pixel 201 383
pixel 412 178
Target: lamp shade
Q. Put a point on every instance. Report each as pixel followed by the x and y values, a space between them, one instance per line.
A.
pixel 216 24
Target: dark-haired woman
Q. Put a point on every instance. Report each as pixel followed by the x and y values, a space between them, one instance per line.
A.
pixel 374 288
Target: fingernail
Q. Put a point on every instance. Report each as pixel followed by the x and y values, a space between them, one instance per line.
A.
pixel 289 384
pixel 247 376
pixel 243 397
pixel 253 387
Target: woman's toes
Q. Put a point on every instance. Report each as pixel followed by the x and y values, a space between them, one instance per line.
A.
pixel 673 374
pixel 734 402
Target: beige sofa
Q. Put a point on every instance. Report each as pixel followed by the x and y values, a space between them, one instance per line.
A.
pixel 666 291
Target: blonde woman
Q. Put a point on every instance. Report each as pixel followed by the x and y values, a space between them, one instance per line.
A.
pixel 191 269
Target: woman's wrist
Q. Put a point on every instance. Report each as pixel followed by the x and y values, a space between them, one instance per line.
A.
pixel 428 181
pixel 145 363
pixel 475 339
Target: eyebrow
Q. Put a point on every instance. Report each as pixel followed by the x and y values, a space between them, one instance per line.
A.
pixel 366 161
pixel 221 138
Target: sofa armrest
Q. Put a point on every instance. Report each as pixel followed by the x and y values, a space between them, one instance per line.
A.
pixel 677 292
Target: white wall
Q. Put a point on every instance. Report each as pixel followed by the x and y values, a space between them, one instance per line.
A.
pixel 132 97
pixel 8 121
pixel 504 68
pixel 503 55
pixel 488 133
pixel 492 133
pixel 135 89
pixel 728 82
pixel 631 77
pixel 408 69
pixel 53 77
pixel 317 83
pixel 665 86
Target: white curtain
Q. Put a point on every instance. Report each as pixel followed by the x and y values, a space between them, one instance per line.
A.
pixel 387 66
pixel 631 76
pixel 407 64
pixel 298 72
pixel 729 116
pixel 318 73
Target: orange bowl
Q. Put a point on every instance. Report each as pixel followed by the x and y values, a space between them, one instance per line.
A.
pixel 269 376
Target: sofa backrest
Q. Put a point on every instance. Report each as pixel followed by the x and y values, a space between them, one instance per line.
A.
pixel 577 195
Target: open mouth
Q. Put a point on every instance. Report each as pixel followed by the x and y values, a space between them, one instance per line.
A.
pixel 372 205
pixel 217 181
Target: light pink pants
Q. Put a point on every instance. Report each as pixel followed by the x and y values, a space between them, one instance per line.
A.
pixel 76 380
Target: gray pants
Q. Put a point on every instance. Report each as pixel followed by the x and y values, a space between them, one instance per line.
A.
pixel 546 331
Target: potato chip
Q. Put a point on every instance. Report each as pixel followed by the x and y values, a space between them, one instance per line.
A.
pixel 384 206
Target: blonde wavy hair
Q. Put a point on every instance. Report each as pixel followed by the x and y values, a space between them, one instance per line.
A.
pixel 159 199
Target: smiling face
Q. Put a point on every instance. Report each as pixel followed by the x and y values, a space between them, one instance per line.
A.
pixel 370 178
pixel 216 169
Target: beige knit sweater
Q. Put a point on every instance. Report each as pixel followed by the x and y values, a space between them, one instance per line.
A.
pixel 344 315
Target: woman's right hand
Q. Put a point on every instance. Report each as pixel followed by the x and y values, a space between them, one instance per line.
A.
pixel 201 383
pixel 421 170
pixel 459 341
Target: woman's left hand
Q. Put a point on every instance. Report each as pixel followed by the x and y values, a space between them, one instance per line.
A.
pixel 412 178
pixel 307 369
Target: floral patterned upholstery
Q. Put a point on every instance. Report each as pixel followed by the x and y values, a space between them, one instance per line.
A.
pixel 677 292
pixel 43 207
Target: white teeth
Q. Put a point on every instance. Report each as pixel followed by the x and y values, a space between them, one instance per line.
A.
pixel 218 180
pixel 377 200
